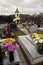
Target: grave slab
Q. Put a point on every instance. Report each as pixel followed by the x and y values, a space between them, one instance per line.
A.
pixel 30 50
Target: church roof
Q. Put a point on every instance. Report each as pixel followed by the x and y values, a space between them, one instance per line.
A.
pixel 17 11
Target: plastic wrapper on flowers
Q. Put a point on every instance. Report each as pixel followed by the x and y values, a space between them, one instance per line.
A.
pixel 8 40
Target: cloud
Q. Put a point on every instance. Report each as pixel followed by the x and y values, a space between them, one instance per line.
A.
pixel 24 6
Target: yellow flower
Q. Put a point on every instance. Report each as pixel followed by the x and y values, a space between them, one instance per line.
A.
pixel 8 40
pixel 12 40
pixel 34 35
pixel 40 35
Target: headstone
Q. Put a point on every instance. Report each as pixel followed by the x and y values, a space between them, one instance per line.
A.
pixel 13 26
pixel 33 29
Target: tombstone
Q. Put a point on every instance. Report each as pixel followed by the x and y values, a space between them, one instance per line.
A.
pixel 13 26
pixel 33 29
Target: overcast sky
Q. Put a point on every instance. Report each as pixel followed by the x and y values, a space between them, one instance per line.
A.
pixel 25 6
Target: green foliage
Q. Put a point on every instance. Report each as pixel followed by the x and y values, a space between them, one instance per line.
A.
pixel 38 44
pixel 18 33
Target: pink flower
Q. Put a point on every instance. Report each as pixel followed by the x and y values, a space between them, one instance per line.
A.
pixel 16 46
pixel 11 48
pixel 8 44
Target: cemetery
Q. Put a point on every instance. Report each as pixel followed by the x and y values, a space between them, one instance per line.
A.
pixel 21 36
pixel 30 42
pixel 9 34
pixel 30 49
pixel 32 45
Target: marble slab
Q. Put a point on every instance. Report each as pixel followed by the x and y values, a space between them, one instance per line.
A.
pixel 30 39
pixel 30 50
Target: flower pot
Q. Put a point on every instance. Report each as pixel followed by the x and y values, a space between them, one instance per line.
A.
pixel 11 56
pixel 40 49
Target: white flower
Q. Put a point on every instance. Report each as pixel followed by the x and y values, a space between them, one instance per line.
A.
pixel 37 38
pixel 41 40
pixel 35 42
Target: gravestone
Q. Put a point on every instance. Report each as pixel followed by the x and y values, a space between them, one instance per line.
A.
pixel 13 26
pixel 33 29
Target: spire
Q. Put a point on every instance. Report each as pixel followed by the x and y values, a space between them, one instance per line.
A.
pixel 17 11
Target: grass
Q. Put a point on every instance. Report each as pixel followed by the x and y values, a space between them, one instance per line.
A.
pixel 16 33
pixel 19 33
pixel 1 31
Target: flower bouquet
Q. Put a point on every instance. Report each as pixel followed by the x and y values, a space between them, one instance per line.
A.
pixel 8 40
pixel 10 45
pixel 34 35
pixel 39 44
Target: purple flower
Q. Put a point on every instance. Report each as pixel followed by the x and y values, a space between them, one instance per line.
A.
pixel 8 44
pixel 16 46
pixel 11 47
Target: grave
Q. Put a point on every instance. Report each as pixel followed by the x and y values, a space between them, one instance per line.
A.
pixel 33 29
pixel 9 28
pixel 30 50
pixel 13 27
